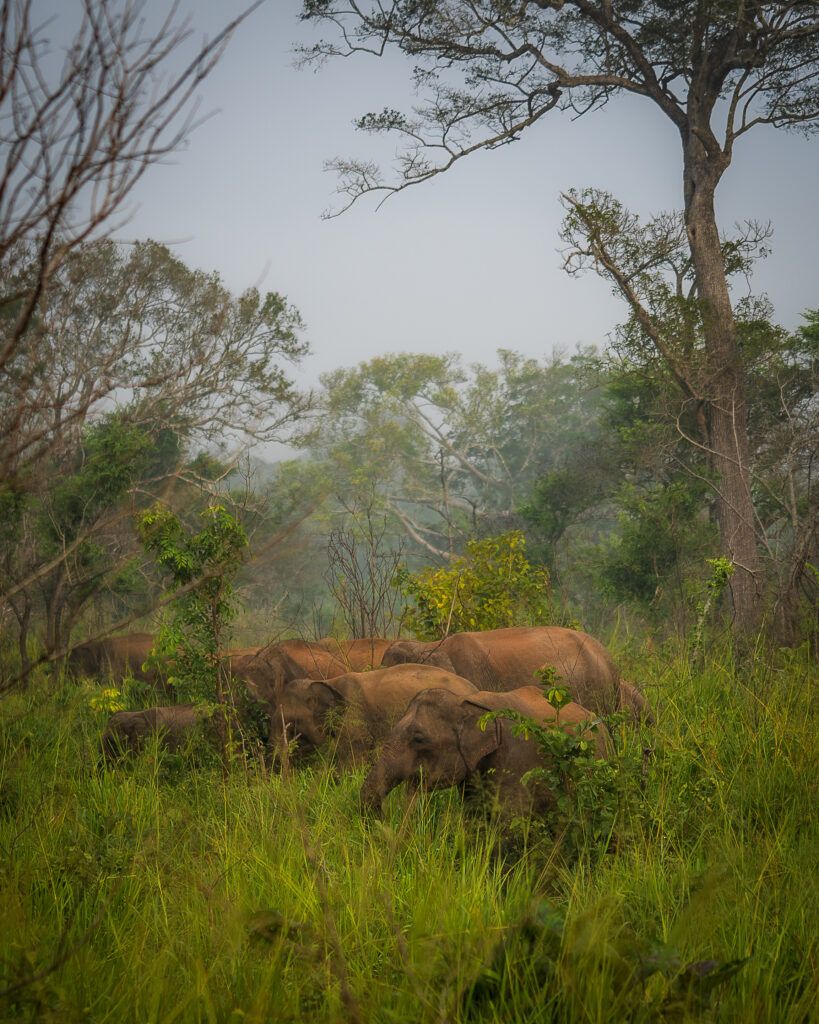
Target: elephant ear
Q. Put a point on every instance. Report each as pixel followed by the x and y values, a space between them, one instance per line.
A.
pixel 475 743
pixel 324 700
pixel 440 659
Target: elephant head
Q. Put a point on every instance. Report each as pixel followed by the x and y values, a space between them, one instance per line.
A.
pixel 304 715
pixel 416 652
pixel 438 742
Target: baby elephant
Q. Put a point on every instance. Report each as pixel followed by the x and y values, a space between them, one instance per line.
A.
pixel 128 731
pixel 352 713
pixel 439 743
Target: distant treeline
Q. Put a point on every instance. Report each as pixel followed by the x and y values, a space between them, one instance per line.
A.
pixel 141 380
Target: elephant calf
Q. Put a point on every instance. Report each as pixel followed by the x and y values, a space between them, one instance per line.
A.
pixel 128 731
pixel 354 711
pixel 439 743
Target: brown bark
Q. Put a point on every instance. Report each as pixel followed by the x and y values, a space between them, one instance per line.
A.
pixel 704 164
pixel 23 616
pixel 54 610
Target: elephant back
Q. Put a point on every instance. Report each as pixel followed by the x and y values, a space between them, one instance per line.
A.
pixel 114 656
pixel 505 659
pixel 357 655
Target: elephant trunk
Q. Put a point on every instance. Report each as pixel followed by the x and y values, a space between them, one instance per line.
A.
pixel 371 797
pixel 381 779
pixel 374 789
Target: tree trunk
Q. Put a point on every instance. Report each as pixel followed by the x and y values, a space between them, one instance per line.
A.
pixel 725 383
pixel 23 616
pixel 54 609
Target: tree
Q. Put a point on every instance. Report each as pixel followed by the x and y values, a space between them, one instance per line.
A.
pixel 172 348
pixel 451 453
pixel 784 409
pixel 133 326
pixel 661 543
pixel 363 558
pixel 644 509
pixel 76 137
pixel 69 540
pixel 715 68
pixel 132 363
pixel 192 642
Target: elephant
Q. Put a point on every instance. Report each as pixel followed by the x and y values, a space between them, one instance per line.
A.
pixel 633 700
pixel 355 710
pixel 245 664
pixel 266 670
pixel 358 655
pixel 504 659
pixel 128 731
pixel 297 659
pixel 438 743
pixel 114 657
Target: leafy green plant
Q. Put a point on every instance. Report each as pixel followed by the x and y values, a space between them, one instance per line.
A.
pixel 659 530
pixel 193 638
pixel 722 569
pixel 107 701
pixel 585 788
pixel 558 696
pixel 490 587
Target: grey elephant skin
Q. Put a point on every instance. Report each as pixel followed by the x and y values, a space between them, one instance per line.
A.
pixel 438 742
pixel 128 731
pixel 114 657
pixel 352 713
pixel 505 659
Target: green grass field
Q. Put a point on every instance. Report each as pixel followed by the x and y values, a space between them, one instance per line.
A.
pixel 161 892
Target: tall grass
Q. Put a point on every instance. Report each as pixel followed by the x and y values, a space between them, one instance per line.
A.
pixel 163 892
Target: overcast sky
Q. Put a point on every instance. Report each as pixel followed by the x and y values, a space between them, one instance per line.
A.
pixel 468 262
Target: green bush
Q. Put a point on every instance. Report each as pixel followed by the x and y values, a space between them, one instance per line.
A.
pixel 492 586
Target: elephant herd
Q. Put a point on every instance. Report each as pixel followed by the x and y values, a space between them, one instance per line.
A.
pixel 412 712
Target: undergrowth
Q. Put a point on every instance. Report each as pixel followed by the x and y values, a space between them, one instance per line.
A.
pixel 161 891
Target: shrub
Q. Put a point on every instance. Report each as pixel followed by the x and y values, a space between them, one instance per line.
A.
pixel 490 587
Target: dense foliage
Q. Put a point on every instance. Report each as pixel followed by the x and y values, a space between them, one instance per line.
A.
pixel 596 458
pixel 135 382
pixel 200 566
pixel 493 585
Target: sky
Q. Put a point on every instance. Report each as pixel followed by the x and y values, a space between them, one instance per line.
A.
pixel 468 262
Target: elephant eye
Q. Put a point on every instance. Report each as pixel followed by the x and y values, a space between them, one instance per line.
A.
pixel 418 739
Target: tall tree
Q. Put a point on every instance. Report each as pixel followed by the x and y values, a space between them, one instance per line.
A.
pixel 132 363
pixel 76 135
pixel 715 68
